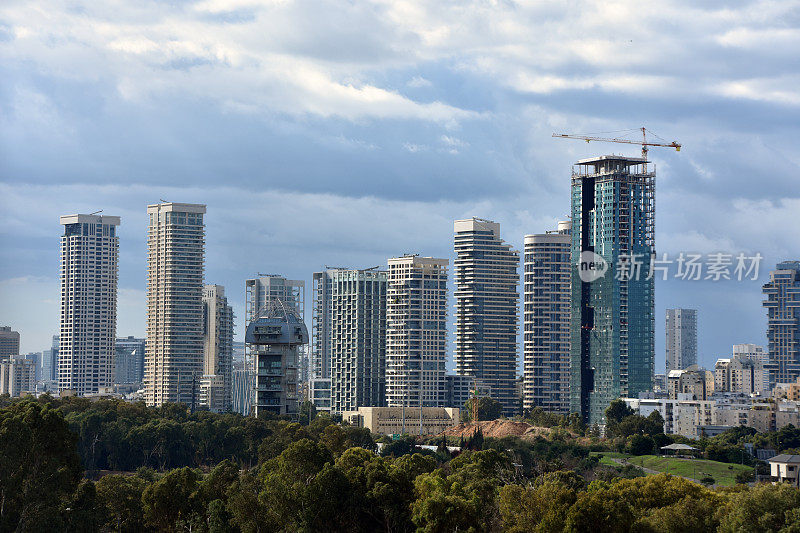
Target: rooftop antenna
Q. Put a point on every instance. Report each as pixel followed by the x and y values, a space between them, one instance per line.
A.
pixel 90 214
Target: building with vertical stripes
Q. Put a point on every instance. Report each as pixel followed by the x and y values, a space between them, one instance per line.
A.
pixel 487 297
pixel 357 339
pixel 416 331
pixel 175 265
pixel 546 318
pixel 89 271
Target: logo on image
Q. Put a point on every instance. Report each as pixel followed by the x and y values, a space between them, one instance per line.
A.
pixel 591 266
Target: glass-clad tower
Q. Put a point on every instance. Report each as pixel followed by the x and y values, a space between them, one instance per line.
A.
pixel 783 321
pixel 612 322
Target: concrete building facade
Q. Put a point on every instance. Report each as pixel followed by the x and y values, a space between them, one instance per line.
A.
pixel 416 331
pixel 89 271
pixel 546 319
pixel 175 267
pixel 357 338
pixel 681 338
pixel 9 342
pixel 400 421
pixel 783 321
pixel 17 376
pixel 486 317
pixel 277 333
pixel 612 315
pixel 216 383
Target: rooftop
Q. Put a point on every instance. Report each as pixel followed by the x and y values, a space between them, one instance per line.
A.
pixel 785 458
pixel 619 158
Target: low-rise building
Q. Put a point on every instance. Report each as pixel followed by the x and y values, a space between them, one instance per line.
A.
pixel 697 382
pixel 784 468
pixel 399 420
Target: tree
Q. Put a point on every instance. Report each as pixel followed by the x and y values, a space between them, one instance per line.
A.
pixel 488 409
pixel 765 507
pixel 81 513
pixel 307 413
pixel 616 411
pixel 171 499
pixel 39 466
pixel 120 501
pixel 641 445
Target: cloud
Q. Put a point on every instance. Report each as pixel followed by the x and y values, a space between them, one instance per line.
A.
pixel 321 131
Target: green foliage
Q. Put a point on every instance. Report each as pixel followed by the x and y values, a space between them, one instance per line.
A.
pixel 120 502
pixel 641 445
pixel 324 477
pixel 307 412
pixel 616 411
pixel 39 467
pixel 488 409
pixel 171 500
pixel 766 507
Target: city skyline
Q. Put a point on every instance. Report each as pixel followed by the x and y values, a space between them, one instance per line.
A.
pixel 434 114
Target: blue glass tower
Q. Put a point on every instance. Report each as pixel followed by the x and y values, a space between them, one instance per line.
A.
pixel 783 322
pixel 612 323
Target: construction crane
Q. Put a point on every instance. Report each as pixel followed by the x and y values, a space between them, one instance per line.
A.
pixel 644 142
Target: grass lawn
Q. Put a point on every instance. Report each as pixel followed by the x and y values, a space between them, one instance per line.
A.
pixel 722 473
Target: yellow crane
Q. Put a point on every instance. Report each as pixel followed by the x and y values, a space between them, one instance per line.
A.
pixel 644 142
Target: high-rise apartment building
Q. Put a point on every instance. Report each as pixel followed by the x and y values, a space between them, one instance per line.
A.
pixel 486 280
pixel 783 322
pixel 215 386
pixel 129 361
pixel 50 361
pixel 266 288
pixel 321 286
pixel 9 342
pixel 17 376
pixel 357 338
pixel 612 319
pixel 416 331
pixel 546 312
pixel 260 293
pixel 89 270
pixel 276 333
pixel 681 338
pixel 175 262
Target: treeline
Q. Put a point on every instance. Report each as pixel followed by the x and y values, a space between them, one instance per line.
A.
pixel 327 477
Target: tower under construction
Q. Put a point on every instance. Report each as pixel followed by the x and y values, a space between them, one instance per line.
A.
pixel 612 316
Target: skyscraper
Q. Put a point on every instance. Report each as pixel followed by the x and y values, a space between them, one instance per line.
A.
pixel 783 322
pixel 50 361
pixel 681 338
pixel 215 386
pixel 175 261
pixel 9 342
pixel 89 255
pixel 276 333
pixel 416 331
pixel 129 361
pixel 612 319
pixel 357 339
pixel 261 292
pixel 546 320
pixel 486 279
pixel 321 285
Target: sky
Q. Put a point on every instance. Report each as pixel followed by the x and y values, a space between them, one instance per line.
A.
pixel 343 133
